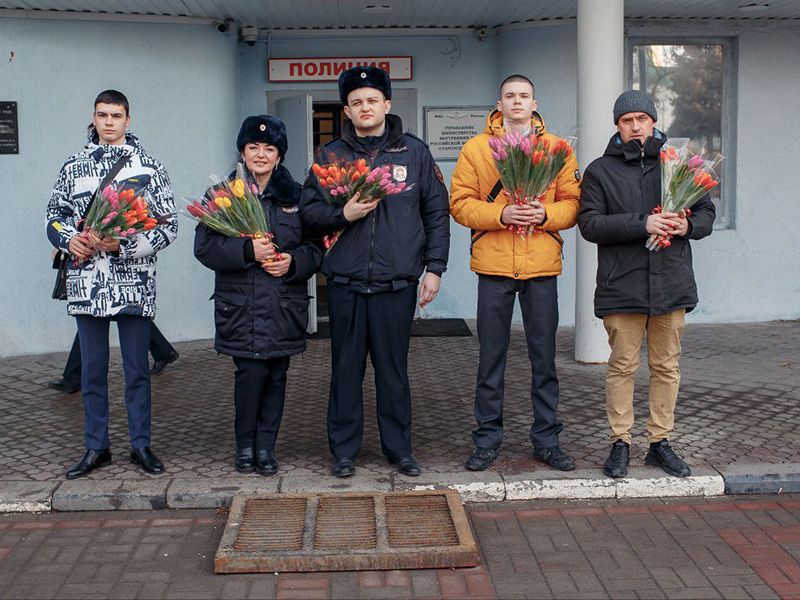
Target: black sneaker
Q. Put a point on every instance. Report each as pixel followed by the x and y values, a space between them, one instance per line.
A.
pixel 555 457
pixel 480 459
pixel 663 456
pixel 616 464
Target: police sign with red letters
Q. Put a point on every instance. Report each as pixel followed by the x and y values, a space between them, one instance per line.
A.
pixel 329 69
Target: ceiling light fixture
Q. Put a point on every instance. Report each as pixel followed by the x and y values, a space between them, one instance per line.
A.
pixel 376 8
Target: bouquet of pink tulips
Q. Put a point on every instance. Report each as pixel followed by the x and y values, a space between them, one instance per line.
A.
pixel 527 164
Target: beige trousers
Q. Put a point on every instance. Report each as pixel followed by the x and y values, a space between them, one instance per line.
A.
pixel 625 335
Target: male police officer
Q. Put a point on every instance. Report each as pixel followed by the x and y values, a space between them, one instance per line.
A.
pixel 374 267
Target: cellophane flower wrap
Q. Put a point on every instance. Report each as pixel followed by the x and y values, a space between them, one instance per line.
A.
pixel 232 208
pixel 119 210
pixel 686 176
pixel 341 180
pixel 528 164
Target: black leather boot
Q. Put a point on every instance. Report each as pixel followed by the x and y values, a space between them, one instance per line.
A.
pixel 92 459
pixel 616 464
pixel 266 463
pixel 663 456
pixel 245 461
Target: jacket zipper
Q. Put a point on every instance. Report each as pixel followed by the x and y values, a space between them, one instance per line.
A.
pixel 371 234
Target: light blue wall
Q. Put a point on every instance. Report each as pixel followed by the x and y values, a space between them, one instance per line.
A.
pixel 190 86
pixel 182 85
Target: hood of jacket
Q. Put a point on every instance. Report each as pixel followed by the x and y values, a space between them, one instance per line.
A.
pixel 98 151
pixel 495 127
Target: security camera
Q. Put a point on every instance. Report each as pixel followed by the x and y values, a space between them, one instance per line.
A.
pixel 250 35
pixel 222 26
pixel 481 33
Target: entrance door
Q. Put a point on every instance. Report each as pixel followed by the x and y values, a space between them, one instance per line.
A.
pixel 295 112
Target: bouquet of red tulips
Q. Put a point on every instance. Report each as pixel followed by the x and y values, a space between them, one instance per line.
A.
pixel 233 208
pixel 685 178
pixel 340 181
pixel 527 164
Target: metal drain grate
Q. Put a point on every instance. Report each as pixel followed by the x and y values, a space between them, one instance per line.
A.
pixel 344 532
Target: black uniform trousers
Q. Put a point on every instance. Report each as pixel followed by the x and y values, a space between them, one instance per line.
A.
pixel 538 299
pixel 258 395
pixel 378 324
pixel 160 348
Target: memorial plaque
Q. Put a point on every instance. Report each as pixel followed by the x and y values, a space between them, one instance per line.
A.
pixel 9 132
pixel 447 128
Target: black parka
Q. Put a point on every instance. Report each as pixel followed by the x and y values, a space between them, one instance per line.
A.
pixel 258 315
pixel 409 231
pixel 619 191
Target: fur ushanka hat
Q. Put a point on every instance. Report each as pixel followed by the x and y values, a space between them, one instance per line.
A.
pixel 265 129
pixel 359 77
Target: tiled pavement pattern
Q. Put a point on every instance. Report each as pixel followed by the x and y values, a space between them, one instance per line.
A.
pixel 686 548
pixel 739 402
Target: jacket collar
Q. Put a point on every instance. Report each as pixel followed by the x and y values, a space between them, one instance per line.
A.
pixel 495 126
pixel 632 150
pixel 393 123
pixel 281 186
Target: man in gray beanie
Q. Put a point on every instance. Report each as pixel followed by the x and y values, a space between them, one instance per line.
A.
pixel 640 293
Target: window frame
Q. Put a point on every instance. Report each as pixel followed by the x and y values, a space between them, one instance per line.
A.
pixel 726 210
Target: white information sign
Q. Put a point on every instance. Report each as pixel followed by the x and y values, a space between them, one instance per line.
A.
pixel 447 128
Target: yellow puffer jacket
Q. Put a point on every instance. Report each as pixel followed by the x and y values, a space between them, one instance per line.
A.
pixel 495 249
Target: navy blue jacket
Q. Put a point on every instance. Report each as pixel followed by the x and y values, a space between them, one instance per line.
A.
pixel 619 191
pixel 409 231
pixel 258 315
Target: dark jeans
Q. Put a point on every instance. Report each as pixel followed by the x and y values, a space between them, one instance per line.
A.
pixel 259 392
pixel 134 339
pixel 538 299
pixel 160 348
pixel 378 324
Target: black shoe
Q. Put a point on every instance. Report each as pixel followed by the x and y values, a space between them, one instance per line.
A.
pixel 62 385
pixel 480 459
pixel 160 365
pixel 147 460
pixel 92 459
pixel 555 457
pixel 662 455
pixel 407 465
pixel 245 461
pixel 266 463
pixel 616 464
pixel 343 467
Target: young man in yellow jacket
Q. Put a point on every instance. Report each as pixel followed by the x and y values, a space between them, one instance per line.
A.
pixel 508 265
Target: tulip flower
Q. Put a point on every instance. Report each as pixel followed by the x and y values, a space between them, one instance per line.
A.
pixel 695 162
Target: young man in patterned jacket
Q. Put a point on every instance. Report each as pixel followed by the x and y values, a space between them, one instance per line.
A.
pixel 112 279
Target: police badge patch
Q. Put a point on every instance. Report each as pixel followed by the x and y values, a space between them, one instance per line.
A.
pixel 438 172
pixel 399 173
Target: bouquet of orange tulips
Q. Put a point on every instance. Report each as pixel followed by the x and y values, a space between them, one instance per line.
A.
pixel 233 208
pixel 340 181
pixel 119 211
pixel 685 178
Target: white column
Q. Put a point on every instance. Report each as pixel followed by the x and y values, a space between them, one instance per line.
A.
pixel 600 81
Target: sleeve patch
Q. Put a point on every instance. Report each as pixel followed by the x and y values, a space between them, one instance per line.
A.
pixel 438 172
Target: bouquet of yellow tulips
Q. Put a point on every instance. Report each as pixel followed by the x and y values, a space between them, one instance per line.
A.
pixel 232 207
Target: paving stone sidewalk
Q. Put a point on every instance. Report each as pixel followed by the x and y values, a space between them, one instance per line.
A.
pixel 728 547
pixel 739 403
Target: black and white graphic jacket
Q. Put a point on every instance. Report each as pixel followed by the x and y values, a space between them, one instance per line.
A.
pixel 112 283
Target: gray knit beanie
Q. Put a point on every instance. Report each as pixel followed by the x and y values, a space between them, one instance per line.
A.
pixel 634 101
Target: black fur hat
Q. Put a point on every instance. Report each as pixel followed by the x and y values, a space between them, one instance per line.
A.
pixel 263 128
pixel 359 77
